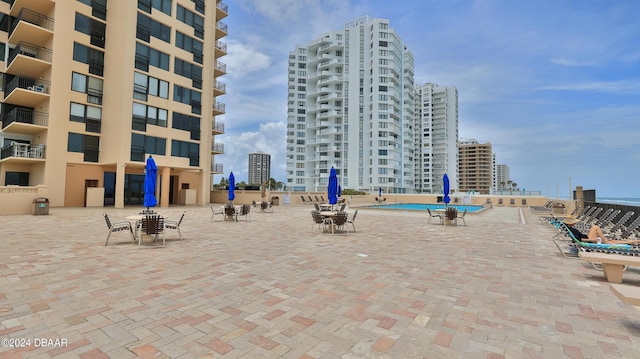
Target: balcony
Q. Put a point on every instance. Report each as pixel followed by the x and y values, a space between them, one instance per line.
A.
pixel 217 168
pixel 217 148
pixel 217 128
pixel 221 49
pixel 22 153
pixel 218 108
pixel 27 92
pixel 222 10
pixel 219 69
pixel 221 30
pixel 219 88
pixel 28 59
pixel 41 6
pixel 21 120
pixel 30 26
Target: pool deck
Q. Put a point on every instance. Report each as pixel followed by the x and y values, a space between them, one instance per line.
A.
pixel 274 288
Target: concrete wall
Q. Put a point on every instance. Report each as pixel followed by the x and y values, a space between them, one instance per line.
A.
pixel 18 200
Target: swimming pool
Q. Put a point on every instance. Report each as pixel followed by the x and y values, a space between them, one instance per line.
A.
pixel 424 206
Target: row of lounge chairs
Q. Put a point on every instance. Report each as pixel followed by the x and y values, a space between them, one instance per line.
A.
pixel 310 200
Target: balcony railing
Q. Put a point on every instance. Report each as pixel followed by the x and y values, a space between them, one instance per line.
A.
pixel 219 106
pixel 221 26
pixel 25 116
pixel 222 6
pixel 220 86
pixel 30 50
pixel 23 150
pixel 221 66
pixel 217 167
pixel 33 18
pixel 218 126
pixel 221 46
pixel 28 84
pixel 217 147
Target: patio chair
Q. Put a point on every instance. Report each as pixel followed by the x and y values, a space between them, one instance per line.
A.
pixel 168 224
pixel 339 220
pixel 264 205
pixel 215 211
pixel 464 213
pixel 230 213
pixel 245 211
pixel 431 215
pixel 152 226
pixel 117 227
pixel 319 221
pixel 352 220
pixel 317 199
pixel 316 206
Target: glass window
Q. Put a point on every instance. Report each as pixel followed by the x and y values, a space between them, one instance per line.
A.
pixel 74 143
pixel 78 82
pixel 76 112
pixel 83 24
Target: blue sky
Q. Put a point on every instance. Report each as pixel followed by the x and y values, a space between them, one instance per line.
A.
pixel 554 85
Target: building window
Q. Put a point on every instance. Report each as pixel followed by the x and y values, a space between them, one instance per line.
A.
pixel 187 123
pixel 144 85
pixel 16 178
pixel 188 150
pixel 190 71
pixel 95 29
pixel 192 19
pixel 91 116
pixel 189 97
pixel 98 8
pixel 141 144
pixel 191 45
pixel 143 115
pixel 92 86
pixel 146 56
pixel 89 145
pixel 147 27
pixel 92 57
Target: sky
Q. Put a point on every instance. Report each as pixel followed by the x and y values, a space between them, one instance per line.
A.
pixel 553 85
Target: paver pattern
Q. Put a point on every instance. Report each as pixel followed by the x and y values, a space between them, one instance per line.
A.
pixel 273 287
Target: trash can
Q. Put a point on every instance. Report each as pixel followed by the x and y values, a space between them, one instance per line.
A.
pixel 275 201
pixel 40 206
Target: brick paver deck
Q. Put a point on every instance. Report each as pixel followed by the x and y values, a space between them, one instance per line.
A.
pixel 274 288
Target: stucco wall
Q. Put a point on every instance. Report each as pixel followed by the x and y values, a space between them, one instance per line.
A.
pixel 18 200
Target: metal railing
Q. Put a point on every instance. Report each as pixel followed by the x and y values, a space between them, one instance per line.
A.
pixel 28 84
pixel 25 116
pixel 31 17
pixel 222 6
pixel 217 147
pixel 219 106
pixel 217 126
pixel 23 150
pixel 30 50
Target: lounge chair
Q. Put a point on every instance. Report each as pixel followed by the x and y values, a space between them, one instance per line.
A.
pixel 317 206
pixel 619 225
pixel 317 200
pixel 304 201
pixel 629 230
pixel 322 199
pixel 117 227
pixel 431 215
pixel 310 199
pixel 168 224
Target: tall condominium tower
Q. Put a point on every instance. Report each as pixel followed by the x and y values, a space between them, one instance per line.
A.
pixel 92 89
pixel 476 167
pixel 436 137
pixel 351 107
pixel 503 178
pixel 259 168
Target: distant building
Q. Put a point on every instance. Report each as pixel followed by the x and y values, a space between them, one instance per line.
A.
pixel 502 177
pixel 350 106
pixel 436 137
pixel 476 167
pixel 259 168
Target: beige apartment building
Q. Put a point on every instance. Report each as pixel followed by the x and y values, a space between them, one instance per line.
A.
pixel 475 167
pixel 91 88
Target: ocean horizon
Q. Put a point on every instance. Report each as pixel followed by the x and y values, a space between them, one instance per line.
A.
pixel 625 201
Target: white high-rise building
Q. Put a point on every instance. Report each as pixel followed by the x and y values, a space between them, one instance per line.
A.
pixel 351 106
pixel 436 137
pixel 503 177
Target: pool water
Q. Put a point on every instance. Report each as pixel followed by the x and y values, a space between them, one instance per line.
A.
pixel 423 207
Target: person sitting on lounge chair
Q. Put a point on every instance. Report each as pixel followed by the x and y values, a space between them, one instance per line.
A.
pixel 595 234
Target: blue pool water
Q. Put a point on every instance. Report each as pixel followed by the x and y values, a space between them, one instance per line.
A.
pixel 423 207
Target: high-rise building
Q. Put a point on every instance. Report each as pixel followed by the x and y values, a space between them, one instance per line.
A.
pixel 351 107
pixel 91 90
pixel 476 167
pixel 259 168
pixel 436 137
pixel 503 178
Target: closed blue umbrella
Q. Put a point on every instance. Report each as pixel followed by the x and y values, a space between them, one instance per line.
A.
pixel 232 186
pixel 379 191
pixel 445 181
pixel 332 188
pixel 339 191
pixel 150 178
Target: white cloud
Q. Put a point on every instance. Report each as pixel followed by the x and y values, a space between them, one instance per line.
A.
pixel 244 60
